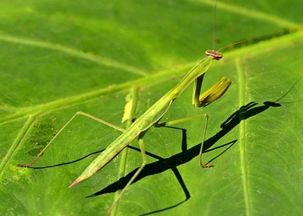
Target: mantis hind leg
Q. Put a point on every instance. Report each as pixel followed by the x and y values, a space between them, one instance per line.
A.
pixel 202 164
pixel 189 118
pixel 144 162
pixel 63 127
pixel 177 121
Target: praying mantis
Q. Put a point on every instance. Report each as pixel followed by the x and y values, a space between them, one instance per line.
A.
pixel 150 118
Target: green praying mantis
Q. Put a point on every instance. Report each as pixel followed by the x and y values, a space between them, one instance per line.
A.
pixel 150 118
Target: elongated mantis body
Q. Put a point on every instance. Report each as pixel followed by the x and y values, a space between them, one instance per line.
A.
pixel 152 116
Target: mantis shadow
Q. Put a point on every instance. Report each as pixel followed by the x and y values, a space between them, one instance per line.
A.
pixel 163 164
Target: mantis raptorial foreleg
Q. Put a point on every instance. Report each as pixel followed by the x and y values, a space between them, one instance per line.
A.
pixel 64 126
pixel 215 92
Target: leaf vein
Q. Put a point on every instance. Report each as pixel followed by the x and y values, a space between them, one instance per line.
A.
pixel 250 13
pixel 18 140
pixel 72 52
pixel 242 139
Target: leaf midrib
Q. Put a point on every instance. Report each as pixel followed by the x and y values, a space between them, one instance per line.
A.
pixel 17 141
pixel 156 77
pixel 242 81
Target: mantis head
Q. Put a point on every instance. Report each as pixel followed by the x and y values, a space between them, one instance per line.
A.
pixel 215 54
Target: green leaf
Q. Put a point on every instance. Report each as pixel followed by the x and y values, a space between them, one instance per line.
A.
pixel 61 57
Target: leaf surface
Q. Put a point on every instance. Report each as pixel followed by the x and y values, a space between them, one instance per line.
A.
pixel 60 57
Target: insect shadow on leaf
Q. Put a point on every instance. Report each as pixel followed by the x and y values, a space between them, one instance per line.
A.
pixel 163 164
